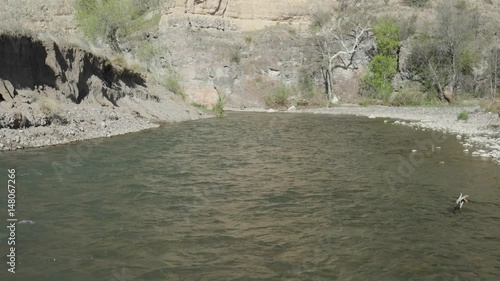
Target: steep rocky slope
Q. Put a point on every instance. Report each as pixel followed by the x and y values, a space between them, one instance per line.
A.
pixel 68 94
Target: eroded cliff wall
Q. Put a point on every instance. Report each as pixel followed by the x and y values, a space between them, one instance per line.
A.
pixel 233 14
pixel 29 63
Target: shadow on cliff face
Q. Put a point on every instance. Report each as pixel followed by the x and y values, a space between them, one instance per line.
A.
pixel 27 64
pixel 23 62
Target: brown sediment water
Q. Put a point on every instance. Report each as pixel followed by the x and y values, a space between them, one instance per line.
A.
pixel 256 197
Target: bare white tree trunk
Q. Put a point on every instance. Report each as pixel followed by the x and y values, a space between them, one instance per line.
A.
pixel 337 45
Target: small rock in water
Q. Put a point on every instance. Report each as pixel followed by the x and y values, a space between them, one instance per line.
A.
pixel 1 145
pixel 270 110
pixel 438 147
pixel 414 151
pixel 371 117
pixel 441 162
pixel 291 108
pixel 459 137
pixel 466 150
pixel 385 121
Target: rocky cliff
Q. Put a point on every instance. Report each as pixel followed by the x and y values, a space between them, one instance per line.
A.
pixel 233 14
pixel 58 94
pixel 79 75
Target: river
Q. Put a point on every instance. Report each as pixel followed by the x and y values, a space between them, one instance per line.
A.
pixel 254 197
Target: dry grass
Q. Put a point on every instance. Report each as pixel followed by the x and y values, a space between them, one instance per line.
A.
pixel 119 60
pixel 48 106
pixel 492 106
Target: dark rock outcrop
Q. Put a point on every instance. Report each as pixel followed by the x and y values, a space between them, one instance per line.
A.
pixel 30 64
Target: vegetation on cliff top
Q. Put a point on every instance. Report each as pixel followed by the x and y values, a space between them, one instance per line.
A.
pixel 107 20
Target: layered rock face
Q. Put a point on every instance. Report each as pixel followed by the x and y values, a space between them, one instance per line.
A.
pixel 243 9
pixel 232 15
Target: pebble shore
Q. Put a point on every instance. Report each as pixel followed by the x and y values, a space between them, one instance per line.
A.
pixel 479 135
pixel 83 123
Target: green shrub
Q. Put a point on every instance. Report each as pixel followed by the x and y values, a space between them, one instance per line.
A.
pixel 463 116
pixel 103 20
pixel 386 33
pixel 107 20
pixel 278 96
pixel 173 82
pixel 219 106
pixel 235 56
pixel 377 83
pixel 197 105
pixel 248 39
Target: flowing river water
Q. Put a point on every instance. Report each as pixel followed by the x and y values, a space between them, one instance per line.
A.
pixel 254 197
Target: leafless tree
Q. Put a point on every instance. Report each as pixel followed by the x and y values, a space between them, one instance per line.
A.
pixel 494 70
pixel 337 44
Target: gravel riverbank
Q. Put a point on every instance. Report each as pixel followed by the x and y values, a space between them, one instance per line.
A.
pixel 81 122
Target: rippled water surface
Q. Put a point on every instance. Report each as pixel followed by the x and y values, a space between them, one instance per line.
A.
pixel 254 197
